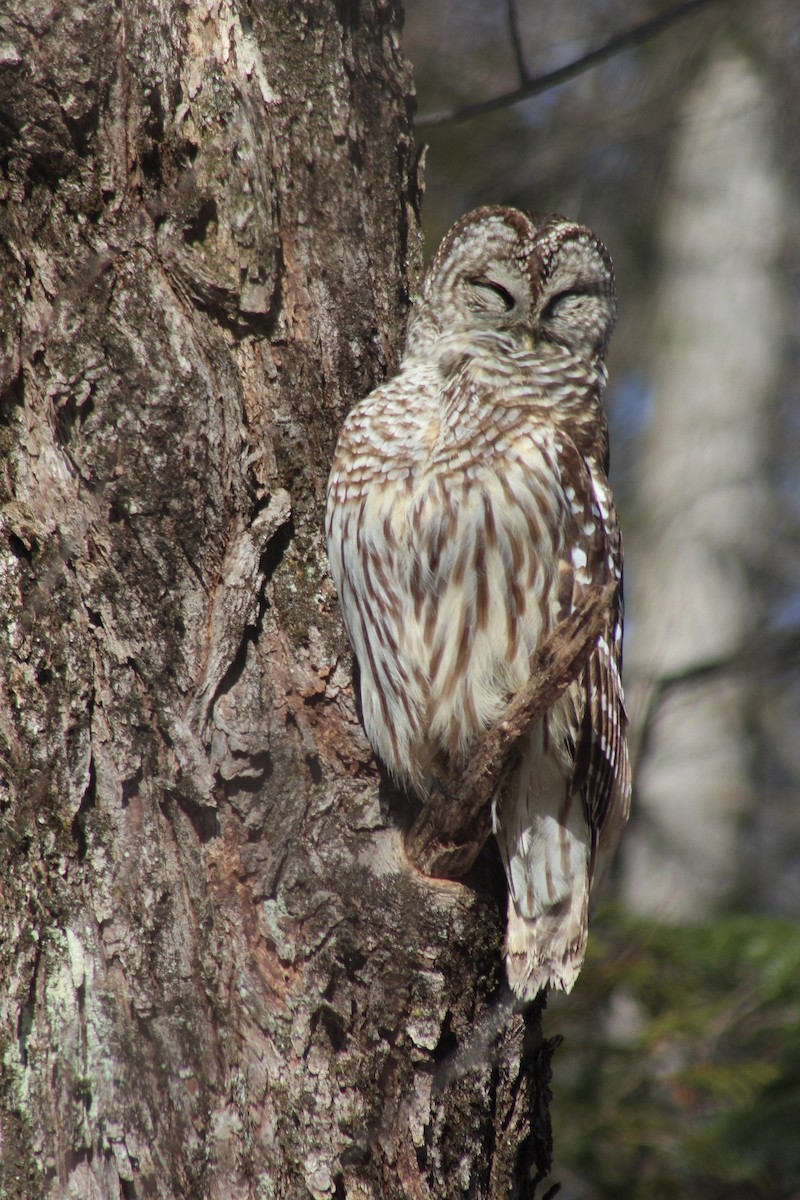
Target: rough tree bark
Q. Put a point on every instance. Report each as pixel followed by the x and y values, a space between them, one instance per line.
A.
pixel 219 977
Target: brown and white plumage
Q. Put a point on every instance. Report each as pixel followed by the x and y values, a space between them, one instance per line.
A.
pixel 468 507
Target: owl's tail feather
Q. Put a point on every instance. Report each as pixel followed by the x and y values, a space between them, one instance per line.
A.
pixel 546 846
pixel 547 950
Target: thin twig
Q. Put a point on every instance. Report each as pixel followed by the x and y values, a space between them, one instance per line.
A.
pixel 764 652
pixel 542 83
pixel 516 43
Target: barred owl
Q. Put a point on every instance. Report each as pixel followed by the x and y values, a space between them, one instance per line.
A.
pixel 468 510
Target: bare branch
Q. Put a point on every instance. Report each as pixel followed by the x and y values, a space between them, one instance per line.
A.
pixel 447 836
pixel 765 652
pixel 516 42
pixel 542 83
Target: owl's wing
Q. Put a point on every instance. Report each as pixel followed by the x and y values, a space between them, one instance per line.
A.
pixel 594 547
pixel 368 499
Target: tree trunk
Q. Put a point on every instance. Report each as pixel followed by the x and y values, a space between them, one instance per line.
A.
pixel 219 975
pixel 704 501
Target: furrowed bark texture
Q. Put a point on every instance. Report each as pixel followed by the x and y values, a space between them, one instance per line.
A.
pixel 219 976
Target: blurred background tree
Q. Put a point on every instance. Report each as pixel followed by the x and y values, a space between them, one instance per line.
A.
pixel 681 1070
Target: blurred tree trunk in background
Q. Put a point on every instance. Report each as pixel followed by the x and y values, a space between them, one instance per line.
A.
pixel 705 503
pixel 218 978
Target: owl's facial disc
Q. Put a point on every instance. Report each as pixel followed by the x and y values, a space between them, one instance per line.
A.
pixel 489 296
pixel 495 294
pixel 576 307
pixel 536 278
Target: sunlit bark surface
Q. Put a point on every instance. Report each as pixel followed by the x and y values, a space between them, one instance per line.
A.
pixel 218 975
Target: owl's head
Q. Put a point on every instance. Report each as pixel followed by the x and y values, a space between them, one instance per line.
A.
pixel 536 278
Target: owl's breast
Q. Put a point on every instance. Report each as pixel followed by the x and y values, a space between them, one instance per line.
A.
pixel 447 534
pixel 480 543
